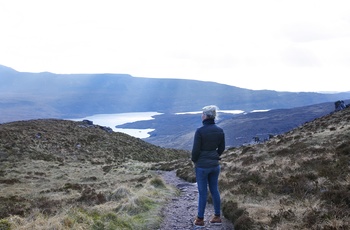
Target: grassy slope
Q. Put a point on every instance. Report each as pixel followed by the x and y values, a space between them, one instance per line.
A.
pixel 298 180
pixel 68 175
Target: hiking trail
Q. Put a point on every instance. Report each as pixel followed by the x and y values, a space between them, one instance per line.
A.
pixel 181 211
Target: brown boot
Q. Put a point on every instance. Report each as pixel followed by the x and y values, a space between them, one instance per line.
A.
pixel 199 222
pixel 216 220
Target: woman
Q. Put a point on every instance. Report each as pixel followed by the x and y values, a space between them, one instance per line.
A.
pixel 208 145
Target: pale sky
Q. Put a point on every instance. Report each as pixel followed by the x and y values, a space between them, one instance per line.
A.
pixel 284 45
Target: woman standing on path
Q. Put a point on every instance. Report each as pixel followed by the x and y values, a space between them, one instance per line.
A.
pixel 208 145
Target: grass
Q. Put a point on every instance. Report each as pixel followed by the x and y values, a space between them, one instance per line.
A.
pixel 298 180
pixel 106 181
pixel 122 199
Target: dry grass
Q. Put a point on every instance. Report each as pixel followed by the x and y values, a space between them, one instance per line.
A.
pixel 78 196
pixel 299 180
pixel 77 177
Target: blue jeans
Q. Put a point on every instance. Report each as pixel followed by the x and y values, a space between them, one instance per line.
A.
pixel 205 177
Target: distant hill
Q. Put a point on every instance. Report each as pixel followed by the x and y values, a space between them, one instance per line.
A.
pixel 296 180
pixel 26 96
pixel 177 131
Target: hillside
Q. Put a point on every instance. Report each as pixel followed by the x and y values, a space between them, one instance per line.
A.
pixel 58 174
pixel 71 175
pixel 177 130
pixel 296 180
pixel 66 141
pixel 26 96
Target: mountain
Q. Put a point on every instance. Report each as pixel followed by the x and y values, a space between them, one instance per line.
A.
pixel 177 130
pixel 47 95
pixel 295 180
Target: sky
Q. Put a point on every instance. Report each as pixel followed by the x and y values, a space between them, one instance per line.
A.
pixel 283 45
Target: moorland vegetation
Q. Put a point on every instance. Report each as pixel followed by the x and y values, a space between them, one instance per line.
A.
pixel 58 174
pixel 296 180
pixel 70 175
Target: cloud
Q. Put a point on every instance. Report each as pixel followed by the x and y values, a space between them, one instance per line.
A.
pixel 299 57
pixel 232 42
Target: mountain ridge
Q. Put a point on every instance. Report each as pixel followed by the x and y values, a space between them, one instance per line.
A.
pixel 177 131
pixel 48 95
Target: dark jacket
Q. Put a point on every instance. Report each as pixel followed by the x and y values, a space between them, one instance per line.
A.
pixel 208 145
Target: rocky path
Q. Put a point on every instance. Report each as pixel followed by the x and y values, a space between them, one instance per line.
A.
pixel 179 214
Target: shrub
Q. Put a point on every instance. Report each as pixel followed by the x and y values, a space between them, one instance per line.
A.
pixel 246 149
pixel 46 205
pixel 281 215
pixel 120 193
pixel 157 182
pixel 311 218
pixel 110 221
pixel 231 211
pixel 90 196
pixel 4 225
pixel 253 177
pixel 244 222
pixel 136 206
pixel 247 160
pixel 298 185
pixel 339 196
pixel 343 149
pixel 13 205
pixel 187 173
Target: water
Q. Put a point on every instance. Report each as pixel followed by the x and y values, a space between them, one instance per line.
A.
pixel 112 120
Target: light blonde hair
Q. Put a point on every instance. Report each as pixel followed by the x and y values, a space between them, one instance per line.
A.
pixel 210 111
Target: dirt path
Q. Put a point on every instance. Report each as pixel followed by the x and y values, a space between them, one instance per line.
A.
pixel 181 211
